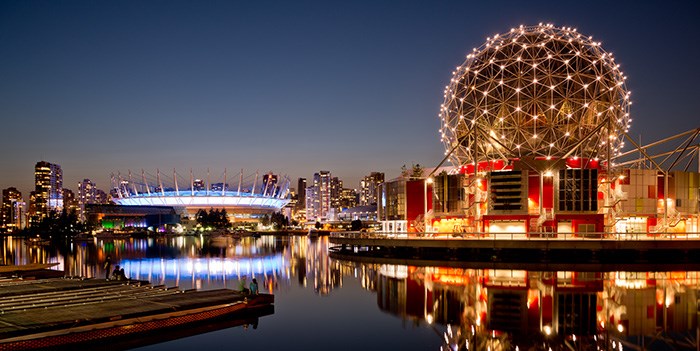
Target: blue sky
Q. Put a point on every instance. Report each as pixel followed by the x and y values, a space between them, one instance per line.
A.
pixel 291 86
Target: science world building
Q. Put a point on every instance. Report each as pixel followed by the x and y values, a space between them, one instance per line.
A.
pixel 535 123
pixel 244 197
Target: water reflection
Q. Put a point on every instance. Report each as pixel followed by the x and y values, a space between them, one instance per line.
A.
pixel 500 309
pixel 464 308
pixel 190 262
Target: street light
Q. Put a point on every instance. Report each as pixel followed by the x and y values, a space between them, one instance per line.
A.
pixel 427 181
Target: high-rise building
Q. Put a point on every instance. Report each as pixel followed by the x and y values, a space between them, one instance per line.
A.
pixel 48 190
pixel 301 187
pixel 70 202
pixel 12 211
pixel 89 194
pixel 101 197
pixel 86 195
pixel 336 193
pixel 318 197
pixel 348 199
pixel 311 195
pixel 32 218
pixel 369 187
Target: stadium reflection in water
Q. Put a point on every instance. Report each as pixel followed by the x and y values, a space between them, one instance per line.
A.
pixel 463 308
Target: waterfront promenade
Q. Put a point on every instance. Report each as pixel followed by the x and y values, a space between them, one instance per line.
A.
pixel 570 247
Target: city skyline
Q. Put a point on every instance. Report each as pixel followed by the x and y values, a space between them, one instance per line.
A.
pixel 288 88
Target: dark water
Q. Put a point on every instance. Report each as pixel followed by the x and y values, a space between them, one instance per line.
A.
pixel 322 303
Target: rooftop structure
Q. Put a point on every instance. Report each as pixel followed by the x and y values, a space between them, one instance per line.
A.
pixel 242 197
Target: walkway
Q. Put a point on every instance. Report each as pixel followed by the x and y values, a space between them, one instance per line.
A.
pixel 595 247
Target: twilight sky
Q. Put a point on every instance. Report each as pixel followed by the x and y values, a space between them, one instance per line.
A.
pixel 290 86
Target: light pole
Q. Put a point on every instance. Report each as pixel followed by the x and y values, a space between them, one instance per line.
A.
pixel 427 181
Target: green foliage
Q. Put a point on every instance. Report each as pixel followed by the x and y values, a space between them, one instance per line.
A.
pixel 214 218
pixel 279 220
pixel 57 226
pixel 265 220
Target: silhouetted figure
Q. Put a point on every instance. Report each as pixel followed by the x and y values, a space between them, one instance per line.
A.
pixel 108 266
pixel 241 285
pixel 115 273
pixel 122 275
pixel 254 287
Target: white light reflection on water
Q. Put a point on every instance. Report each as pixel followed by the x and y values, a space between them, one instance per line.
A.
pixel 185 272
pixel 399 303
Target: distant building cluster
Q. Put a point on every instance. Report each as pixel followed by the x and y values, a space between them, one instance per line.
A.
pixel 326 200
pixel 49 196
pixel 323 199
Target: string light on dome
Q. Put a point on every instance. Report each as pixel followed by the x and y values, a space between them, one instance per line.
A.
pixel 574 100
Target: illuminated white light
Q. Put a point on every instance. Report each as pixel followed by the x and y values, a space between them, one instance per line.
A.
pixel 597 91
pixel 202 199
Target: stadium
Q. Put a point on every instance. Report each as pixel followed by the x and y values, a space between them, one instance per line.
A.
pixel 245 197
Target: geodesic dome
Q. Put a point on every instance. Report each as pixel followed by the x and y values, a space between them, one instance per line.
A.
pixel 538 91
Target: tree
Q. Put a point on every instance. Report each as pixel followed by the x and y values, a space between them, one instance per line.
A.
pixel 213 218
pixel 222 219
pixel 265 220
pixel 202 217
pixel 356 225
pixel 318 225
pixel 279 220
pixel 416 171
pixel 58 226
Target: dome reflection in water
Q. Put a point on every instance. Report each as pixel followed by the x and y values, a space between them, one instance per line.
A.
pixel 321 301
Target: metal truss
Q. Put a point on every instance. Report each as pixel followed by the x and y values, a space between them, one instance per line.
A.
pixel 538 91
pixel 680 150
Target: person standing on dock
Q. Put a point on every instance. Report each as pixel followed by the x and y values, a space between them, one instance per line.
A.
pixel 241 285
pixel 254 287
pixel 108 266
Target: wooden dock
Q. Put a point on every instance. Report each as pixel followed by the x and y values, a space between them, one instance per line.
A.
pixel 61 313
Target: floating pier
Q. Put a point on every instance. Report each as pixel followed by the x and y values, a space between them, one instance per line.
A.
pixel 61 313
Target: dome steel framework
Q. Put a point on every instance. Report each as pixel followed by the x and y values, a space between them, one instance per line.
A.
pixel 536 91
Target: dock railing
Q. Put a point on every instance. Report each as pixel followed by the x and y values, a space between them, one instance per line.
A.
pixel 532 236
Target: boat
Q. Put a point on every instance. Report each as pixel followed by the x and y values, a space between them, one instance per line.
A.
pixel 37 241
